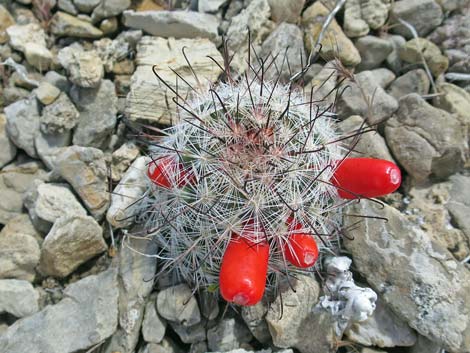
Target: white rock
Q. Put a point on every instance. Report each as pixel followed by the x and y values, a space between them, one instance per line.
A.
pixel 18 298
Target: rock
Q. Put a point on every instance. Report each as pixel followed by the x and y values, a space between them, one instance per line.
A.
pixel 371 144
pixel 382 329
pixel 228 334
pixel 23 124
pixel 18 298
pixel 60 116
pixel 373 51
pixel 85 68
pixel 383 76
pixel 416 49
pixel 67 6
pixel 109 8
pixel 153 327
pixel 454 100
pixel 352 102
pixel 72 240
pixel 178 304
pixel 426 141
pixel 362 15
pixel 19 252
pixel 136 278
pixel 414 81
pixel 38 56
pixel 23 35
pixel 6 146
pixel 191 334
pixel 334 42
pixel 430 284
pixel 393 59
pixel 85 169
pixel 286 44
pixel 46 203
pixel 6 20
pixel 177 24
pixel 47 93
pixel 98 110
pixel 86 6
pixel 254 317
pixel 459 205
pixel 91 302
pixel 210 6
pixel 122 159
pixel 423 15
pixel 286 10
pixel 130 189
pixel 147 99
pixel 65 25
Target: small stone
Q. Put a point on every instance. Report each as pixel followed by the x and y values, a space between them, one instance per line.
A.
pixel 130 189
pixel 86 6
pixel 334 42
pixel 286 10
pixel 414 81
pixel 48 202
pixel 109 25
pixel 227 335
pixel 6 146
pixel 85 68
pixel 60 116
pixel 426 141
pixel 67 6
pixel 98 110
pixel 85 169
pixel 86 316
pixel 210 6
pixel 373 51
pixel 18 298
pixel 65 25
pixel 47 93
pixel 178 304
pixel 23 124
pixel 362 15
pixel 254 317
pixel 423 15
pixel 109 8
pixel 416 49
pixel 153 327
pixel 177 24
pixel 6 20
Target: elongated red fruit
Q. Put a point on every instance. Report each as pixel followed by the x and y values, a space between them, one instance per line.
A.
pixel 301 250
pixel 243 271
pixel 163 171
pixel 367 177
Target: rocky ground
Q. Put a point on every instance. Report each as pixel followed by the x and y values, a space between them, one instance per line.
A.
pixel 73 69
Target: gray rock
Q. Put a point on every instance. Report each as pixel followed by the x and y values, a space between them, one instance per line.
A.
pixel 254 317
pixel 23 124
pixel 85 68
pixel 459 203
pixel 98 109
pixel 46 203
pixel 86 316
pixel 18 298
pixel 423 15
pixel 352 102
pixel 64 25
pixel 6 146
pixel 287 45
pixel 46 93
pixel 426 141
pixel 362 15
pixel 373 50
pixel 86 6
pixel 85 169
pixel 109 8
pixel 393 59
pixel 191 334
pixel 414 81
pixel 177 24
pixel 382 329
pixel 430 285
pixel 286 10
pixel 122 159
pixel 67 6
pixel 210 6
pixel 72 240
pixel 228 334
pixel 153 326
pixel 178 304
pixel 60 116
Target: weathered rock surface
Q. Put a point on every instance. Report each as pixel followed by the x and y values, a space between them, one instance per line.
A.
pixel 426 141
pixel 87 315
pixel 178 304
pixel 227 335
pixel 423 15
pixel 6 146
pixel 84 68
pixel 430 285
pixel 65 25
pixel 18 298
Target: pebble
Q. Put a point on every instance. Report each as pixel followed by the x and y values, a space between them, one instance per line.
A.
pixel 373 51
pixel 415 50
pixel 6 146
pixel 60 116
pixel 423 15
pixel 414 81
pixel 18 298
pixel 228 334
pixel 360 16
pixel 426 141
pixel 430 284
pixel 47 93
pixel 46 203
pixel 86 316
pixel 6 20
pixel 84 68
pixel 286 10
pixel 64 25
pixel 85 169
pixel 178 304
pixel 153 326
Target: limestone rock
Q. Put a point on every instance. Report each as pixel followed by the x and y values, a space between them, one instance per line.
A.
pixel 430 284
pixel 6 146
pixel 18 298
pixel 85 68
pixel 178 304
pixel 426 141
pixel 286 10
pixel 423 15
pixel 60 116
pixel 414 81
pixel 412 51
pixel 65 25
